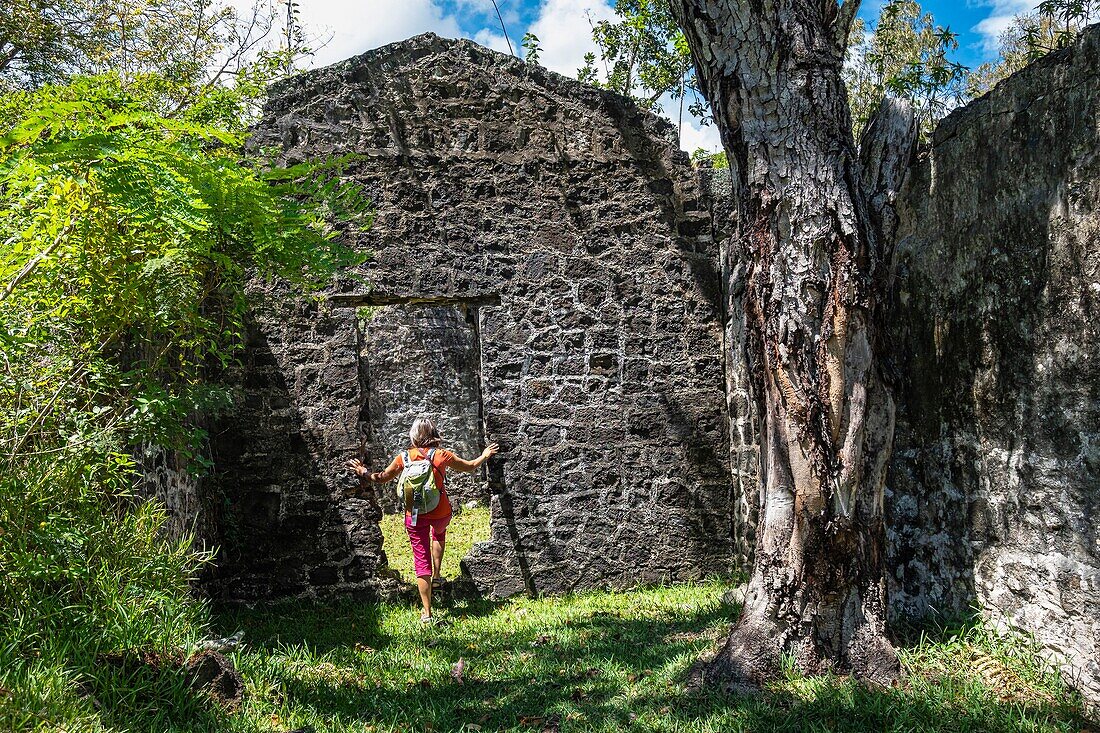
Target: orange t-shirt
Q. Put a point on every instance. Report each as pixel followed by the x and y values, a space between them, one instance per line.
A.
pixel 440 460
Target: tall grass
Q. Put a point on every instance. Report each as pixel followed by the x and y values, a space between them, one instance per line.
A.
pixel 95 605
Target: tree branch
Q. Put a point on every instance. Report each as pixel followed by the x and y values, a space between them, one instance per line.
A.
pixel 886 150
pixel 846 15
pixel 36 260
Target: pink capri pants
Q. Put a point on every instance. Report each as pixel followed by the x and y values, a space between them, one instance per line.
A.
pixel 421 536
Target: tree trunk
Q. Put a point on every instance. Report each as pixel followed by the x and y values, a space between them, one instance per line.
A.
pixel 818 278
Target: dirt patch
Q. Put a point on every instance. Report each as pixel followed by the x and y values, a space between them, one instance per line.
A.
pixel 213 673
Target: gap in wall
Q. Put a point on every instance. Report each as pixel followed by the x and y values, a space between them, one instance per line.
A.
pixel 423 359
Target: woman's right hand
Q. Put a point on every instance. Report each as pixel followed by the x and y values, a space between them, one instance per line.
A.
pixel 490 451
pixel 356 465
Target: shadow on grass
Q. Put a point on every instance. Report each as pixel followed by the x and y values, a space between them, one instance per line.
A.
pixel 142 697
pixel 321 627
pixel 592 670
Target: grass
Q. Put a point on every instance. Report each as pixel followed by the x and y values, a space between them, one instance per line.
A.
pixel 598 661
pixel 467 527
pixel 603 661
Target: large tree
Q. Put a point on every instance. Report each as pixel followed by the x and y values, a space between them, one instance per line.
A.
pixel 818 274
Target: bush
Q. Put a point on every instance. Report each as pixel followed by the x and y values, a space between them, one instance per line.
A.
pixel 128 236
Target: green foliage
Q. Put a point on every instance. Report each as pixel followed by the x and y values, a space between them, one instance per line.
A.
pixel 127 239
pixel 531 48
pixel 1053 25
pixel 643 55
pixel 705 159
pixel 1064 19
pixel 906 55
pixel 197 44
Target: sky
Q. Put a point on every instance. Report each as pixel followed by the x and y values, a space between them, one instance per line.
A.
pixel 350 27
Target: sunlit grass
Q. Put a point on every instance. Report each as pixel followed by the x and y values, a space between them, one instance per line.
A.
pixel 603 661
pixel 467 527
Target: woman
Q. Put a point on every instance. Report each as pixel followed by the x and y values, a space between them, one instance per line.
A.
pixel 427 529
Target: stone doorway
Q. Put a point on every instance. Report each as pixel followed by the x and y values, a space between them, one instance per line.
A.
pixel 424 359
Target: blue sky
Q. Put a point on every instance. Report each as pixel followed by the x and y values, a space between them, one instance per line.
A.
pixel 349 27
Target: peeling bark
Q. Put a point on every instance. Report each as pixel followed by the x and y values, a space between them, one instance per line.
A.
pixel 816 285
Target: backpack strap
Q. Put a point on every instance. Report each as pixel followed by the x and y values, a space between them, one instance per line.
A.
pixel 405 460
pixel 431 462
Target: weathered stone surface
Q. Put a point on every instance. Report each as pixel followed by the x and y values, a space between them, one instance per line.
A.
pixel 601 369
pixel 166 477
pixel 286 523
pixel 573 261
pixel 996 476
pixel 744 450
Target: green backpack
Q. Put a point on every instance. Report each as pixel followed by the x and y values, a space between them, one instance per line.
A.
pixel 416 485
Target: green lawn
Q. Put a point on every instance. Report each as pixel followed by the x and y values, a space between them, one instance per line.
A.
pixel 467 527
pixel 600 661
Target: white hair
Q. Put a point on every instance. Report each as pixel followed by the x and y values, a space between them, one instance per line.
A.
pixel 423 434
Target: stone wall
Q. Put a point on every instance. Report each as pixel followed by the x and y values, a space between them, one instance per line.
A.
pixel 580 231
pixel 166 476
pixel 995 484
pixel 558 257
pixel 286 525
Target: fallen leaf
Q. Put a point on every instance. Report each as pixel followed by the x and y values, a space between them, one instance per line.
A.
pixel 457 670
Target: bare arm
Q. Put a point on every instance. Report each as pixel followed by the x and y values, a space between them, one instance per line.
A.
pixel 464 466
pixel 380 477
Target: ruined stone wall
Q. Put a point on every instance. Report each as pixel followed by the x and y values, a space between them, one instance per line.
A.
pixel 995 483
pixel 286 525
pixel 744 449
pixel 558 254
pixel 581 228
pixel 166 476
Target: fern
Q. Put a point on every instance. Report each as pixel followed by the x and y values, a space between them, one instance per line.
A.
pixel 127 238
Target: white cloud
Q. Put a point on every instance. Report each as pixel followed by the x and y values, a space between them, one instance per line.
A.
pixel 692 134
pixel 495 41
pixel 356 26
pixel 565 32
pixel 1001 13
pixel 564 29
